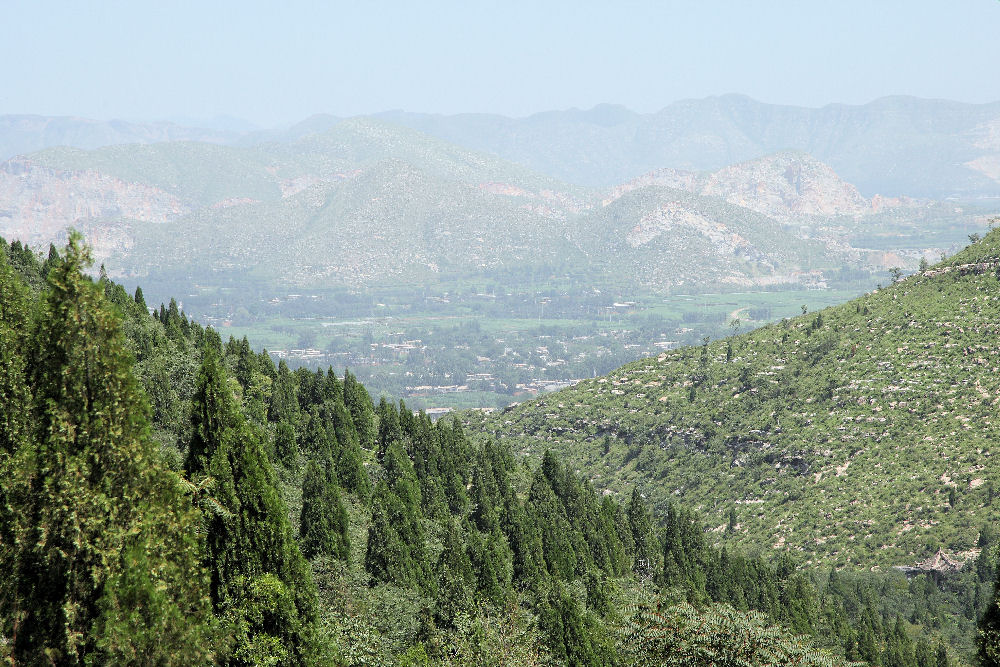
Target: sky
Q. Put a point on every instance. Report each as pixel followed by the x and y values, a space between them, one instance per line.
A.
pixel 274 63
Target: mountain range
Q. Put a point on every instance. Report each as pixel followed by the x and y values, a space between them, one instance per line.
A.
pixel 895 146
pixel 368 202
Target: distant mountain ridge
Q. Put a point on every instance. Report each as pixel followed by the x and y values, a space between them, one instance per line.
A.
pixel 368 200
pixel 893 146
pixel 26 133
pixel 784 185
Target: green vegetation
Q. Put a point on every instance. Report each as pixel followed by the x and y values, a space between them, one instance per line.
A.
pixel 101 551
pixel 419 263
pixel 861 434
pixel 424 546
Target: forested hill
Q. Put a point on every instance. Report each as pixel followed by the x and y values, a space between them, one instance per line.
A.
pixel 863 434
pixel 168 498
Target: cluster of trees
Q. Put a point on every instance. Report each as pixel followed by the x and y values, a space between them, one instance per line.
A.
pixel 170 498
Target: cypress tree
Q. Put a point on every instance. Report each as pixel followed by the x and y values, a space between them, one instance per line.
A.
pixel 107 566
pixel 547 516
pixel 455 579
pixel 323 521
pixel 388 426
pixel 641 528
pixel 347 458
pixel 286 449
pixel 988 639
pixel 396 551
pixel 333 388
pixel 284 403
pixel 213 412
pixel 14 428
pixel 359 404
pixel 260 583
pixel 140 300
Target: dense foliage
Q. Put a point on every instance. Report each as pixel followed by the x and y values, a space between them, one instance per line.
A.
pixel 248 514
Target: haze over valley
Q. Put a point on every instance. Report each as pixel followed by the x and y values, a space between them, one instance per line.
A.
pixel 368 244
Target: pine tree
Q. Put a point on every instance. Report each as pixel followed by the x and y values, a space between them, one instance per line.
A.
pixel 107 566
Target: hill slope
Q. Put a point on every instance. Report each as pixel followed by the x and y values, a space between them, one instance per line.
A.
pixel 864 433
pixel 893 145
pixel 365 202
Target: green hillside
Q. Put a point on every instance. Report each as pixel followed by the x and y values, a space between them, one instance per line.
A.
pixel 859 434
pixel 388 220
pixel 168 498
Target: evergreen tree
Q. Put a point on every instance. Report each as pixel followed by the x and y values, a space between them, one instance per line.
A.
pixel 545 513
pixel 284 404
pixel 455 578
pixel 359 404
pixel 14 424
pixel 323 524
pixel 396 552
pixel 260 583
pixel 641 528
pixel 213 413
pixel 107 564
pixel 389 430
pixel 140 300
pixel 286 449
pixel 571 634
pixel 347 457
pixel 988 640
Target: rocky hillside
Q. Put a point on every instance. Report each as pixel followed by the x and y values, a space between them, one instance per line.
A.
pixel 864 433
pixel 367 202
pixel 783 186
pixel 665 237
pixel 383 223
pixel 894 145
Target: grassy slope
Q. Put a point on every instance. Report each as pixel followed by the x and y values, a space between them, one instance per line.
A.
pixel 842 441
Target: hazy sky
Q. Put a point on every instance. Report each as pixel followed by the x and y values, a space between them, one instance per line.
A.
pixel 278 62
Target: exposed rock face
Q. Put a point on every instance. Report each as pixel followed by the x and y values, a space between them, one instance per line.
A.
pixel 938 565
pixel 674 215
pixel 37 204
pixel 787 184
pixel 782 186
